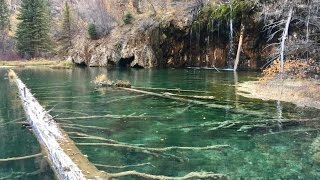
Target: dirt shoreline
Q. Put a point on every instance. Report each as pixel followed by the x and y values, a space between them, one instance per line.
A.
pixel 303 93
pixel 55 64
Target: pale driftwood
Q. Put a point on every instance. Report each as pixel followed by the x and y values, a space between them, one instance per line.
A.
pixel 213 147
pixel 192 175
pixel 124 167
pixel 54 141
pixel 21 158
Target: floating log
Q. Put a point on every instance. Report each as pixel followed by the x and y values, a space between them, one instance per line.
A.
pixel 64 157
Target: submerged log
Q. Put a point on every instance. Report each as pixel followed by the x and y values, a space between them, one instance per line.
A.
pixel 64 157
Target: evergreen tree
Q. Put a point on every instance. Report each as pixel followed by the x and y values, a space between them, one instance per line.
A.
pixel 33 30
pixel 4 22
pixel 92 31
pixel 66 27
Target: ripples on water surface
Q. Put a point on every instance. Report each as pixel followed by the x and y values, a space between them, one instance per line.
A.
pixel 280 151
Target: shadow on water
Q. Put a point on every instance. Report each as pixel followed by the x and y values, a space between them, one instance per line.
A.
pixel 266 151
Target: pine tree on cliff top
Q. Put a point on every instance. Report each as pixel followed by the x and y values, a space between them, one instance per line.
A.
pixel 33 30
pixel 66 27
pixel 4 22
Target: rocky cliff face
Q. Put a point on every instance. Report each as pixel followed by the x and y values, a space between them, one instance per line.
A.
pixel 166 35
pixel 162 34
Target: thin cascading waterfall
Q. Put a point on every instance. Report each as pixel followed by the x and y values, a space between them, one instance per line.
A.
pixel 231 48
pixel 198 48
pixel 190 50
pixel 208 45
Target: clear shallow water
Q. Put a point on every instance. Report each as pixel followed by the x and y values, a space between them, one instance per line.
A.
pixel 16 141
pixel 160 122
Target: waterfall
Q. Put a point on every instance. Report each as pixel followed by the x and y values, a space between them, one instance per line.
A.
pixel 190 51
pixel 208 45
pixel 230 54
pixel 198 48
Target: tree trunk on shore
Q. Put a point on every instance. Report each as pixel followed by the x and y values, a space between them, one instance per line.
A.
pixel 283 40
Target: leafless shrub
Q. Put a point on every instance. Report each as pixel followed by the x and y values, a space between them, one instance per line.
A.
pixel 147 23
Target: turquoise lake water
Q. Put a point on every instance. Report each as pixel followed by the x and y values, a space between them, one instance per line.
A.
pixel 274 151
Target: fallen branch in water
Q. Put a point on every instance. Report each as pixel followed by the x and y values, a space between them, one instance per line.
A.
pixel 213 147
pixel 171 96
pixel 124 98
pixel 190 96
pixel 156 154
pixel 20 158
pixel 86 136
pixel 124 167
pixel 13 121
pixel 244 126
pixel 197 102
pixel 107 116
pixel 21 175
pixel 83 126
pixel 192 175
pixel 175 90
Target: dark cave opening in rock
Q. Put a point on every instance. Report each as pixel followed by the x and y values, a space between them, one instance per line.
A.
pixel 125 62
pixel 82 64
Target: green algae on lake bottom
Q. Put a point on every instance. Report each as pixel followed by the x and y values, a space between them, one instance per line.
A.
pixel 277 151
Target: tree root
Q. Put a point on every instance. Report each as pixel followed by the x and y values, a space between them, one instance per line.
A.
pixel 192 175
pixel 124 167
pixel 20 158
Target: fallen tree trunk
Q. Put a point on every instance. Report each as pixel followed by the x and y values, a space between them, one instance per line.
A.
pixel 55 143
